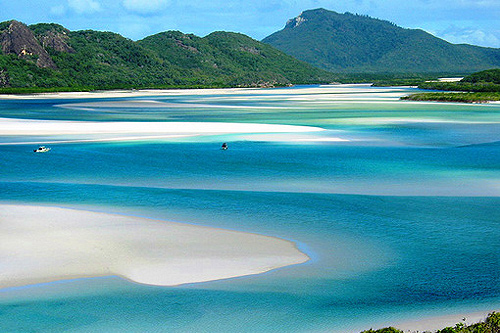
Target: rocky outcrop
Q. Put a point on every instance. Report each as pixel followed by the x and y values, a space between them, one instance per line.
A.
pixel 56 40
pixel 187 47
pixel 20 40
pixel 250 49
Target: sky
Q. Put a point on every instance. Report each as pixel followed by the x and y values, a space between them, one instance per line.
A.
pixel 458 21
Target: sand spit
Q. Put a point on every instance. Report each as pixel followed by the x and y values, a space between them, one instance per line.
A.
pixel 27 127
pixel 40 244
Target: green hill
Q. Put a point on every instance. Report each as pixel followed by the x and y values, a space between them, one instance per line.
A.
pixel 487 76
pixel 51 56
pixel 231 58
pixel 352 43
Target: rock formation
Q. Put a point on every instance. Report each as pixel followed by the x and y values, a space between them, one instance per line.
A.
pixel 19 39
pixel 56 40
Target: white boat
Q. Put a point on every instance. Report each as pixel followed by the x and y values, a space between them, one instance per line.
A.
pixel 41 149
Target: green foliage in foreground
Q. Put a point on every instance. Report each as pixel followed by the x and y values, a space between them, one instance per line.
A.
pixel 384 330
pixel 490 325
pixel 463 97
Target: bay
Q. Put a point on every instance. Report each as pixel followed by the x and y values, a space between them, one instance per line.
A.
pixel 399 220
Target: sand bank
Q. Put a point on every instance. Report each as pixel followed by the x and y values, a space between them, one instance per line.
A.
pixel 28 127
pixel 37 132
pixel 40 244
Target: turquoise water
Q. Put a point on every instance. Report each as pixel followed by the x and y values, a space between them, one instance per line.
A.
pixel 400 221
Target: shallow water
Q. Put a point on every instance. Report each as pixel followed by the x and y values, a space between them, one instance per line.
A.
pixel 401 220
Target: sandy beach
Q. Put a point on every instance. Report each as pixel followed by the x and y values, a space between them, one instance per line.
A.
pixel 430 324
pixel 41 244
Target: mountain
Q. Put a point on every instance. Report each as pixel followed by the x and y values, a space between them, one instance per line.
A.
pixel 352 43
pixel 49 55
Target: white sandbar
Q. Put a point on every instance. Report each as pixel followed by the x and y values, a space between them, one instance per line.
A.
pixel 41 244
pixel 27 127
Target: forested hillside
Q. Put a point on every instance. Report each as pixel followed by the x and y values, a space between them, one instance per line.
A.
pixel 51 56
pixel 360 44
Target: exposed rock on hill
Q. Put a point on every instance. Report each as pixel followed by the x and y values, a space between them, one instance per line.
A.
pixel 19 39
pixel 56 40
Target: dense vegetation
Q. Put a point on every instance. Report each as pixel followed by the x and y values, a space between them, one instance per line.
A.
pixel 389 79
pixel 490 325
pixel 461 86
pixel 86 60
pixel 478 87
pixel 232 58
pixel 484 81
pixel 360 44
pixel 89 60
pixel 487 76
pixel 463 97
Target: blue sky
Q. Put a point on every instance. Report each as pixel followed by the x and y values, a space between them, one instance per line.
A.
pixel 458 21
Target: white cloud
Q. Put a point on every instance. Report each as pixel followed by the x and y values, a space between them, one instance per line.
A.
pixel 470 35
pixel 479 3
pixel 58 10
pixel 84 6
pixel 145 6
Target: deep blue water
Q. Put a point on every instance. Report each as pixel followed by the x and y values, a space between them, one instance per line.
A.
pixel 397 227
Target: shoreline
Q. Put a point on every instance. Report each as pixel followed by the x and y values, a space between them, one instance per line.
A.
pixel 319 89
pixel 41 244
pixel 430 323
